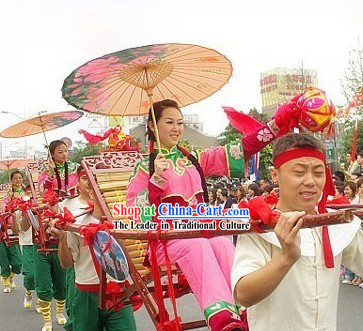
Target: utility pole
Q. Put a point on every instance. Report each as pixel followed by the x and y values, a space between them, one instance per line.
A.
pixel 303 83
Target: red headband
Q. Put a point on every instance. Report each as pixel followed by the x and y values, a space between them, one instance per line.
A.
pixel 296 153
pixel 82 173
pixel 329 189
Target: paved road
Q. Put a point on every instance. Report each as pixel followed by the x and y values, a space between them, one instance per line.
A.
pixel 13 317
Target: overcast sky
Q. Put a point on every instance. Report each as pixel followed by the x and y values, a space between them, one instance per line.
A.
pixel 43 41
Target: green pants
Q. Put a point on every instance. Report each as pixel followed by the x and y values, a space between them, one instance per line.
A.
pixel 28 267
pixel 10 259
pixel 87 315
pixel 50 277
pixel 70 288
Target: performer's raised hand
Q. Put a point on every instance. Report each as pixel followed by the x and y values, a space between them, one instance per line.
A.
pixel 287 232
pixel 56 233
pixel 160 164
pixel 51 166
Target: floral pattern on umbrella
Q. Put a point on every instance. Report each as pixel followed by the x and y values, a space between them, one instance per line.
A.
pixel 41 123
pixel 118 83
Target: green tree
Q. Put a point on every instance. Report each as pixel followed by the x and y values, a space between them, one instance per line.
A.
pixel 5 175
pixel 352 82
pixel 347 138
pixel 85 149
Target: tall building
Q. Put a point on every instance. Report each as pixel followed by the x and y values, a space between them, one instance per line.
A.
pixel 281 84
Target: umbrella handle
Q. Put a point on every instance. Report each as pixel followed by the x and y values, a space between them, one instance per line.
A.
pixel 154 120
pixel 46 142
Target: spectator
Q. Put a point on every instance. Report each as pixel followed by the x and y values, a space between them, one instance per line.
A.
pixel 267 190
pixel 253 191
pixel 241 195
pixel 264 183
pixel 226 200
pixel 339 198
pixel 233 192
pixel 360 190
pixel 350 190
pixel 339 175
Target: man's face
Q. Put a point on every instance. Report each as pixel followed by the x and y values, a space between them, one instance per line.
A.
pixel 234 193
pixel 83 185
pixel 359 160
pixel 301 182
pixel 360 189
pixel 263 184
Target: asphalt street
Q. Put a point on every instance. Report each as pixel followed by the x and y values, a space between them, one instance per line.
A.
pixel 13 317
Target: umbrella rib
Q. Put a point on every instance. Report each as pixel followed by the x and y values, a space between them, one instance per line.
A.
pixel 197 58
pixel 190 79
pixel 189 96
pixel 175 52
pixel 107 89
pixel 171 93
pixel 200 76
pixel 175 55
pixel 140 104
pixel 199 66
pixel 188 85
pixel 140 75
pixel 194 56
pixel 181 57
pixel 161 93
pixel 114 105
pixel 108 112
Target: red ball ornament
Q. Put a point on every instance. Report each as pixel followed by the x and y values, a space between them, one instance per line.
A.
pixel 317 111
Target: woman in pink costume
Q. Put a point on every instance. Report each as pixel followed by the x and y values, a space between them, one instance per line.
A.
pixel 175 176
pixel 60 175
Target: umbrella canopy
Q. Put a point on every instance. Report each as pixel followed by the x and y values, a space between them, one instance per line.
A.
pixel 41 124
pixel 14 163
pixel 126 82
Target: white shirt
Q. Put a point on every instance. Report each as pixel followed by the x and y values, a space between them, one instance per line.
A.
pixel 307 297
pixel 75 206
pixel 84 268
pixel 25 237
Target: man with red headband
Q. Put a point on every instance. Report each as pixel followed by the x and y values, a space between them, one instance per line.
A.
pixel 76 205
pixel 83 292
pixel 289 279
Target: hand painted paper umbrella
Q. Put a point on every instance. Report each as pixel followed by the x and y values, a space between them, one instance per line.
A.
pixel 8 164
pixel 128 82
pixel 41 124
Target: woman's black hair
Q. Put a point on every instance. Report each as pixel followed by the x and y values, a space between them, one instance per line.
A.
pixel 256 190
pixel 352 186
pixel 52 146
pixel 158 110
pixel 224 192
pixel 12 176
pixel 16 172
pixel 339 185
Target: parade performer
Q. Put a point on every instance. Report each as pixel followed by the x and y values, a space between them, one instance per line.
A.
pixel 60 174
pixel 22 228
pixel 75 205
pixel 175 176
pixel 10 256
pixel 289 279
pixel 85 311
